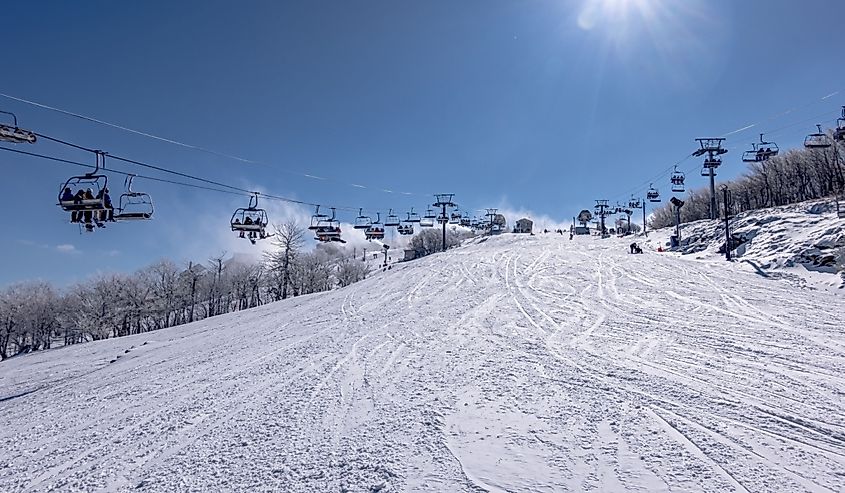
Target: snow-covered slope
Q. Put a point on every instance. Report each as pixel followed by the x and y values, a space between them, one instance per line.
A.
pixel 514 364
pixel 805 242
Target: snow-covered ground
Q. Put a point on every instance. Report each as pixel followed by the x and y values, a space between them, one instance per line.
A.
pixel 519 363
pixel 804 242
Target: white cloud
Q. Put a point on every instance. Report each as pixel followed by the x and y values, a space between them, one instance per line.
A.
pixel 67 248
pixel 33 244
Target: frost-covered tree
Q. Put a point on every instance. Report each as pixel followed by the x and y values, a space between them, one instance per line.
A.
pixel 793 176
pixel 351 270
pixel 288 240
pixel 430 241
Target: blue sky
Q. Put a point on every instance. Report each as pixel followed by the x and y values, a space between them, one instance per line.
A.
pixel 538 107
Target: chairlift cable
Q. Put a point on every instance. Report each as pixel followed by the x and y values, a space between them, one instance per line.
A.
pixel 192 177
pixel 195 147
pixel 120 172
pixel 642 187
pixel 232 189
pixel 782 113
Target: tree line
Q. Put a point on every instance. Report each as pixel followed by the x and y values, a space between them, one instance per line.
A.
pixel 34 315
pixel 793 176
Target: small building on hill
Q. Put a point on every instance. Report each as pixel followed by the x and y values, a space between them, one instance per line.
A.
pixel 410 254
pixel 524 225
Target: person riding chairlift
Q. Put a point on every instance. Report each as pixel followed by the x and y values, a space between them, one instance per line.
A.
pixel 247 222
pixel 108 213
pixel 67 196
pixel 88 195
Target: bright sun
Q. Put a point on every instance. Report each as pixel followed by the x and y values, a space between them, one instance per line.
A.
pixel 613 12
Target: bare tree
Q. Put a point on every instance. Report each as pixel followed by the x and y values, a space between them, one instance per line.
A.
pixel 289 239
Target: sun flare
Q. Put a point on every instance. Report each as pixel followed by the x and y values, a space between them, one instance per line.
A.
pixel 614 12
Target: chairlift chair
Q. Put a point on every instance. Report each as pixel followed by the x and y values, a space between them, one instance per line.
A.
pixel 374 234
pixel 455 218
pixel 317 219
pixel 405 229
pixel 752 155
pixel 12 133
pixel 328 229
pixel 250 219
pixel 413 217
pixel 818 140
pixel 132 205
pixel 760 151
pixel 677 180
pixel 376 229
pixel 392 220
pixel 653 195
pixel 839 133
pixel 712 162
pixel 93 182
pixel 427 220
pixel 362 221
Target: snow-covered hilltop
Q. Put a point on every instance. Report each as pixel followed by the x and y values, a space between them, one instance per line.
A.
pixel 804 242
pixel 518 363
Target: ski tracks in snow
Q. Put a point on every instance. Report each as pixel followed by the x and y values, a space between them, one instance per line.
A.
pixel 516 364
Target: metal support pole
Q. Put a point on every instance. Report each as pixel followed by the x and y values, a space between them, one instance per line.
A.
pixel 678 224
pixel 444 227
pixel 645 231
pixel 726 192
pixel 714 213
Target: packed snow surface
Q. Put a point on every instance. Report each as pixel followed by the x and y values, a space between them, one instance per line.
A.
pixel 804 241
pixel 520 363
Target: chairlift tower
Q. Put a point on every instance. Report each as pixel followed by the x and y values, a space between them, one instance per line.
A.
pixel 491 213
pixel 602 210
pixel 712 147
pixel 444 200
